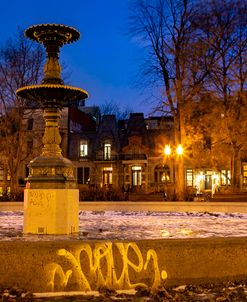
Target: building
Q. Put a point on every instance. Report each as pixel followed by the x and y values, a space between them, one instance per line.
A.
pixel 125 154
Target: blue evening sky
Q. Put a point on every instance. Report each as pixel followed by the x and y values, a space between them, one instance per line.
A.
pixel 104 61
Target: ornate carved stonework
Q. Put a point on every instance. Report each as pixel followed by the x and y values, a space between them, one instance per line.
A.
pixel 67 172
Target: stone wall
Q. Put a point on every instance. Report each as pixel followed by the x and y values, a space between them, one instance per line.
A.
pixel 44 266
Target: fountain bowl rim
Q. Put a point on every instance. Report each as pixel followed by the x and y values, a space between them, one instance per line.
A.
pixel 19 92
pixel 75 34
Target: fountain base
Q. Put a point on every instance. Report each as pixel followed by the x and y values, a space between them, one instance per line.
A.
pixel 51 211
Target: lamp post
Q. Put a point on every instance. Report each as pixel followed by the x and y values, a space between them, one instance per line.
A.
pixel 176 156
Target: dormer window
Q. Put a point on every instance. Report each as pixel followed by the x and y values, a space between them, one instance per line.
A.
pixel 83 152
pixel 107 151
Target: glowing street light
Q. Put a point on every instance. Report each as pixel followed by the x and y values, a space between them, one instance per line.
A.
pixel 167 150
pixel 180 149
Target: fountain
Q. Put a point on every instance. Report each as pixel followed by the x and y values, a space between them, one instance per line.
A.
pixel 51 202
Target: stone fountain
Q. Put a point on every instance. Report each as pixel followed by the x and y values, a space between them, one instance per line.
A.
pixel 51 202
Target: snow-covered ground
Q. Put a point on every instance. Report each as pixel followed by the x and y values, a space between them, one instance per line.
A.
pixel 136 225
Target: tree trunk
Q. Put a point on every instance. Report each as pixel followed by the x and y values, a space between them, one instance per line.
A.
pixel 13 184
pixel 179 161
pixel 236 169
pixel 179 178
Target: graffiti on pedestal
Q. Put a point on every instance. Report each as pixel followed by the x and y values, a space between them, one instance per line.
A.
pixel 118 265
pixel 40 199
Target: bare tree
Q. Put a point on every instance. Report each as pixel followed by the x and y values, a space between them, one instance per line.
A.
pixel 222 26
pixel 110 107
pixel 176 60
pixel 21 64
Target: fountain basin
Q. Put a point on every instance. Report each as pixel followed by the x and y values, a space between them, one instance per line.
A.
pixel 87 261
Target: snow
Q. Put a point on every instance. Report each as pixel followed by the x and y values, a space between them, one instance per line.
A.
pixel 121 225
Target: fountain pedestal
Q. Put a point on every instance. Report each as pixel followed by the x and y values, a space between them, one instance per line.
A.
pixel 51 203
pixel 51 211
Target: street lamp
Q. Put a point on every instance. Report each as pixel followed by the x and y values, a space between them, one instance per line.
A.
pixel 179 149
pixel 168 150
pixel 175 155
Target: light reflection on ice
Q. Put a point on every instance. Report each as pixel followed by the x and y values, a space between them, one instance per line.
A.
pixel 136 225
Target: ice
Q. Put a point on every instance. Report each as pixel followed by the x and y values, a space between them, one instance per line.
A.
pixel 121 225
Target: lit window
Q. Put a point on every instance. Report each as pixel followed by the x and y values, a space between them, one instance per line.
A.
pixel 244 174
pixel 107 151
pixel 83 148
pixel 162 174
pixel 1 191
pixel 1 174
pixel 165 174
pixel 189 177
pixel 136 175
pixel 107 176
pixel 226 177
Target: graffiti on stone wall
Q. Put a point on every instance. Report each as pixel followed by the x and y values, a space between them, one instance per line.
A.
pixel 113 265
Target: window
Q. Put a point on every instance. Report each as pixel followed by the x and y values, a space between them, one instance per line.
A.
pixel 107 151
pixel 162 174
pixel 136 175
pixel 165 174
pixel 26 170
pixel 1 174
pixel 244 174
pixel 83 148
pixel 83 175
pixel 30 124
pixel 208 179
pixel 107 176
pixel 225 176
pixel 189 177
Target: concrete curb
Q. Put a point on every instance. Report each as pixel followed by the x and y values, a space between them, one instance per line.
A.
pixel 48 266
pixel 166 206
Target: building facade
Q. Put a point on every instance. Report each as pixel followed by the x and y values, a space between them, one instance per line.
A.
pixel 125 154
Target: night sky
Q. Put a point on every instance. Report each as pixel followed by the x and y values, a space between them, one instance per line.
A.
pixel 104 61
